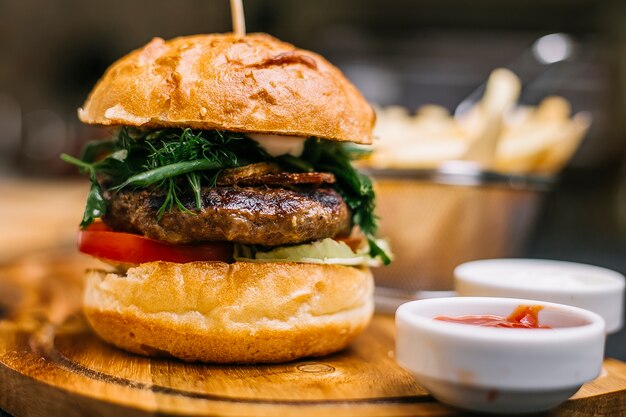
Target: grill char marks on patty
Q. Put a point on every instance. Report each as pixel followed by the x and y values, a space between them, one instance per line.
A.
pixel 247 215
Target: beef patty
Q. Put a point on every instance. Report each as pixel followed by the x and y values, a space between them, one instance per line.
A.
pixel 248 215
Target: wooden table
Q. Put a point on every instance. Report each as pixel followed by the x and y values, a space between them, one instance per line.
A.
pixel 51 364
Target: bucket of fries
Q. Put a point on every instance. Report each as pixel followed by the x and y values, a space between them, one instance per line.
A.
pixel 455 189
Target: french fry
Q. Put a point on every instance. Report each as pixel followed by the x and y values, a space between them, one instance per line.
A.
pixel 553 108
pixel 565 147
pixel 502 91
pixel 495 132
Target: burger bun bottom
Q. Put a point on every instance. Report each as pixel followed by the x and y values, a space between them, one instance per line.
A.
pixel 230 313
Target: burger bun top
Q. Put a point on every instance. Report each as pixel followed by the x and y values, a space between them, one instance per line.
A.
pixel 251 84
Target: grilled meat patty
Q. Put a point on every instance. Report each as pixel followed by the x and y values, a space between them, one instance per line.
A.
pixel 248 215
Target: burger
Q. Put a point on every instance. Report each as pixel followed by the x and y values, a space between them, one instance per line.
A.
pixel 237 228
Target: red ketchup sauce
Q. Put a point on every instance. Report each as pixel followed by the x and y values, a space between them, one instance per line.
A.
pixel 523 317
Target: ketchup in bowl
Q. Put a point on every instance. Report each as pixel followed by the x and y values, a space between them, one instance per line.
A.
pixel 523 317
pixel 532 371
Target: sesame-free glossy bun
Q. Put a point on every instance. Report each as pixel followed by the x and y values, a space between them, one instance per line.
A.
pixel 230 313
pixel 254 84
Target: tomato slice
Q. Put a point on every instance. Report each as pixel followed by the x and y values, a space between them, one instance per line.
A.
pixel 100 241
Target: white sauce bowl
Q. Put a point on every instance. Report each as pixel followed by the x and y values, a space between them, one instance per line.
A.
pixel 590 287
pixel 499 369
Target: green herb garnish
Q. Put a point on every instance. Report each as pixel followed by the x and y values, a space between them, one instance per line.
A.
pixel 161 158
pixel 178 161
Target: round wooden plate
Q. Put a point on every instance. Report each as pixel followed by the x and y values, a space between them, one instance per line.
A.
pixel 51 364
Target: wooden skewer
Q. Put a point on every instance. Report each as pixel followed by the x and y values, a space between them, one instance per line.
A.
pixel 239 21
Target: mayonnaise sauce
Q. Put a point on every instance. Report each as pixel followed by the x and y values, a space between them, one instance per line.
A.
pixel 277 145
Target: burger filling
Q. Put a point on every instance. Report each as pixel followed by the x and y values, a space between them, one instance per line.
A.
pixel 182 186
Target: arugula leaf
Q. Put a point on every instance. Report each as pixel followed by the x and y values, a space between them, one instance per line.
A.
pixel 377 252
pixel 96 149
pixel 96 205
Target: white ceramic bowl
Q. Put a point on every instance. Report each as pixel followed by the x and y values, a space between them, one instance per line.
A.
pixel 499 369
pixel 590 287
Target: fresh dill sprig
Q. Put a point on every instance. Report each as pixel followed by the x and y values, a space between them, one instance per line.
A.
pixel 161 158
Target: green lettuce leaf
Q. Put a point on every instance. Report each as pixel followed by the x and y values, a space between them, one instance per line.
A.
pixel 325 251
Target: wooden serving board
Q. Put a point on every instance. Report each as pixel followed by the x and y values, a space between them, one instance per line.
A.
pixel 52 365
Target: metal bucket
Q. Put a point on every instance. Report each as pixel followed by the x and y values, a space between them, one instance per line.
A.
pixel 438 219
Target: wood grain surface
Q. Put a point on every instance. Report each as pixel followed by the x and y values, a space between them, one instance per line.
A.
pixel 52 365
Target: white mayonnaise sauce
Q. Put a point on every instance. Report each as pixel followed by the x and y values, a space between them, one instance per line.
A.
pixel 277 145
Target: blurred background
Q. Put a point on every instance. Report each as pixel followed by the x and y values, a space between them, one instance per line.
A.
pixel 408 53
